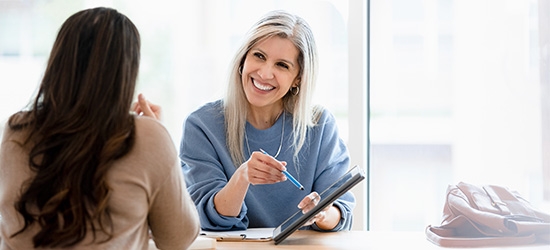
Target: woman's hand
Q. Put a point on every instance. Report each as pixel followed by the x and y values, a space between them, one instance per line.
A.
pixel 326 219
pixel 308 203
pixel 259 169
pixel 263 169
pixel 146 108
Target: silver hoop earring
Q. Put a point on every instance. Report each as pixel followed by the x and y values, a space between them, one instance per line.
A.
pixel 295 90
pixel 241 70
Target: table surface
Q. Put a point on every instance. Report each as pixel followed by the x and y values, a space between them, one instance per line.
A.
pixel 306 239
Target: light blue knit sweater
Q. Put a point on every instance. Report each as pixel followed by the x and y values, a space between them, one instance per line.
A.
pixel 207 167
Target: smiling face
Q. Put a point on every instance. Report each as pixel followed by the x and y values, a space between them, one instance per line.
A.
pixel 270 69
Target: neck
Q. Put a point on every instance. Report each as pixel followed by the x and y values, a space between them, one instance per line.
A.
pixel 263 119
pixel 282 136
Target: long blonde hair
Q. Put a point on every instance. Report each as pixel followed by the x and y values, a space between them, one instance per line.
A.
pixel 291 27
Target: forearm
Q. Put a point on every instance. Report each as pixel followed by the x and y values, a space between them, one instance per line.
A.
pixel 228 201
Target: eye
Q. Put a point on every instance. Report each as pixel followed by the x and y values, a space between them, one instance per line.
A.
pixel 283 65
pixel 259 55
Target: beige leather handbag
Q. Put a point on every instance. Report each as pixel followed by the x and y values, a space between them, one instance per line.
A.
pixel 488 216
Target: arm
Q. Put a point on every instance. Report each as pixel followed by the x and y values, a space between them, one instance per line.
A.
pixel 333 156
pixel 330 219
pixel 172 216
pixel 259 169
pixel 228 201
pixel 327 219
pixel 215 184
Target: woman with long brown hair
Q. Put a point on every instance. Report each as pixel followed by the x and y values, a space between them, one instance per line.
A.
pixel 76 168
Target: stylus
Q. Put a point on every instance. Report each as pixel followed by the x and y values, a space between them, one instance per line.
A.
pixel 289 176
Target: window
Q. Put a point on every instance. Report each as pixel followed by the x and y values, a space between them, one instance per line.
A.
pixel 186 48
pixel 458 92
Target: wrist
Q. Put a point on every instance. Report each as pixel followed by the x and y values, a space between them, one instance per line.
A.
pixel 332 218
pixel 242 175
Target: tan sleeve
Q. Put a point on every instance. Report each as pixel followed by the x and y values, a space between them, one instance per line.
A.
pixel 173 218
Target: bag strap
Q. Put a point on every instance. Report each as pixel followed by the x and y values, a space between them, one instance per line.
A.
pixel 443 237
pixel 496 201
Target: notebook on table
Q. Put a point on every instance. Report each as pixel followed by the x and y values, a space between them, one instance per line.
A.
pixel 347 181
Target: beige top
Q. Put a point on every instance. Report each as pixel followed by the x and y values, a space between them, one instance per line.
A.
pixel 148 193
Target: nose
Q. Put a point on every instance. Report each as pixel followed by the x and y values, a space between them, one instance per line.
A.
pixel 265 72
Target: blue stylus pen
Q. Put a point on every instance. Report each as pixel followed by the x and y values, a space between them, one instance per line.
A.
pixel 289 176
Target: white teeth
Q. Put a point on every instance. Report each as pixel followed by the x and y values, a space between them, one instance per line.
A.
pixel 262 87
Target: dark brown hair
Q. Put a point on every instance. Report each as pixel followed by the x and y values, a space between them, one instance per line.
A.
pixel 78 125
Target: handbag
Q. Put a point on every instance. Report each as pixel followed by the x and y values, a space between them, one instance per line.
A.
pixel 475 216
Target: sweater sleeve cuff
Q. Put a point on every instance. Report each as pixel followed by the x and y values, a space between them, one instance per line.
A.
pixel 345 222
pixel 221 222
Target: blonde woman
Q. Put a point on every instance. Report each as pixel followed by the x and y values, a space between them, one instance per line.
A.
pixel 267 107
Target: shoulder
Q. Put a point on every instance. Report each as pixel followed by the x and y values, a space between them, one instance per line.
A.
pixel 150 131
pixel 18 135
pixel 153 148
pixel 322 116
pixel 209 114
pixel 6 131
pixel 324 123
pixel 7 136
pixel 209 109
pixel 149 126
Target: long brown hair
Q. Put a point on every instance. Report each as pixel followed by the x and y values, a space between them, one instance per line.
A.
pixel 78 125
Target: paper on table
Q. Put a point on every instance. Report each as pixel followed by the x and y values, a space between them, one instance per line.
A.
pixel 251 234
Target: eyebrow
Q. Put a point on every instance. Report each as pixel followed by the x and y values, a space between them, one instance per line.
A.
pixel 284 60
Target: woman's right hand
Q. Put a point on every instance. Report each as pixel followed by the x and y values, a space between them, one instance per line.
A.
pixel 146 108
pixel 258 169
pixel 263 169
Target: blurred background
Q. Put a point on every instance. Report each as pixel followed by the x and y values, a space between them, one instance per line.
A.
pixel 454 90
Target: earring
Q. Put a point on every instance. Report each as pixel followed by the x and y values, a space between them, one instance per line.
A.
pixel 241 70
pixel 295 90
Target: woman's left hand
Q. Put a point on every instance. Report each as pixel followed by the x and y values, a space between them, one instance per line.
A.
pixel 308 203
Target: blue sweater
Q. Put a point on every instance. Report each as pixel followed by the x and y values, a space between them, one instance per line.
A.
pixel 207 167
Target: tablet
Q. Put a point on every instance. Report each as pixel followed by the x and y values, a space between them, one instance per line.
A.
pixel 329 195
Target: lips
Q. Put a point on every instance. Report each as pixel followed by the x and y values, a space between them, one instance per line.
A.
pixel 264 87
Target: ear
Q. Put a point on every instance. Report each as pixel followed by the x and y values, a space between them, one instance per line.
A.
pixel 296 82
